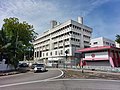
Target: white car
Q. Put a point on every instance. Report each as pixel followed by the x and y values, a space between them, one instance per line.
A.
pixel 39 67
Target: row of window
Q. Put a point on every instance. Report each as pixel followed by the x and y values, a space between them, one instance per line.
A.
pixel 86 42
pixel 108 43
pixel 61 47
pixel 39 53
pixel 45 41
pixel 68 26
pixel 73 39
pixel 86 36
pixel 74 33
pixel 41 38
pixel 73 26
pixel 86 31
pixel 76 46
pixel 60 29
pixel 76 27
pixel 46 46
pixel 61 35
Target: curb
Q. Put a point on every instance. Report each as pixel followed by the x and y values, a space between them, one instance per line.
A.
pixel 112 73
pixel 6 74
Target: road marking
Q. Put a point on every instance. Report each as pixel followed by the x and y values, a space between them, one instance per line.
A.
pixel 54 79
pixel 14 84
pixel 56 76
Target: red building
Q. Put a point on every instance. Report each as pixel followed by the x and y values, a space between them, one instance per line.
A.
pixel 101 56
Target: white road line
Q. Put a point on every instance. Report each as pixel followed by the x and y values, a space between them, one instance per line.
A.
pixel 54 79
pixel 14 84
pixel 56 76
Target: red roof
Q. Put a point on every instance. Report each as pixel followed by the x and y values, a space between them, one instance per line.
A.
pixel 97 48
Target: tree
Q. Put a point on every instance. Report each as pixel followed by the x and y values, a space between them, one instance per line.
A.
pixel 118 39
pixel 16 36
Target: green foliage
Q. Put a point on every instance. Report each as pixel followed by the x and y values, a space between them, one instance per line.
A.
pixel 118 39
pixel 16 38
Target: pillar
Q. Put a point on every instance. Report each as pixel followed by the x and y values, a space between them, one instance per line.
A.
pixel 110 55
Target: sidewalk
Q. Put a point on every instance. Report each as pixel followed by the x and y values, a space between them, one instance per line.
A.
pixel 9 73
pixel 89 74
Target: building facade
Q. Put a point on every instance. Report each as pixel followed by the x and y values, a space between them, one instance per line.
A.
pixel 101 41
pixel 71 35
pixel 117 45
pixel 101 56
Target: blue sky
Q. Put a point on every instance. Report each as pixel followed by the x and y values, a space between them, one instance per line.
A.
pixel 101 15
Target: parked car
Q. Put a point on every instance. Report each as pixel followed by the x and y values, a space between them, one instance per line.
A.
pixel 33 65
pixel 39 67
pixel 23 65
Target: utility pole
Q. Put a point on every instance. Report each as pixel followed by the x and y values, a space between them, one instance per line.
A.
pixel 66 52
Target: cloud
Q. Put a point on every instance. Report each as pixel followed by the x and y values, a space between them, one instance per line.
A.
pixel 92 4
pixel 39 13
pixel 33 11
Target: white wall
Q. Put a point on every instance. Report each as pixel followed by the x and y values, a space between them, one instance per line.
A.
pixel 4 66
pixel 117 45
pixel 97 55
pixel 101 41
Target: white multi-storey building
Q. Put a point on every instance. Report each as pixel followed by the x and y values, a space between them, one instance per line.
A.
pixel 101 41
pixel 117 44
pixel 71 35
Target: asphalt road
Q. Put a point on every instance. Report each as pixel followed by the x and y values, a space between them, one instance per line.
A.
pixel 68 85
pixel 28 77
pixel 39 81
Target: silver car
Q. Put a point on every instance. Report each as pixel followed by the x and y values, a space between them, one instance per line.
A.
pixel 39 67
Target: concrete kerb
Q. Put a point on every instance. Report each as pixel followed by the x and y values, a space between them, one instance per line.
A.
pixel 94 71
pixel 84 80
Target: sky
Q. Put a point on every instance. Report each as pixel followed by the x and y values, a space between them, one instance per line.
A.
pixel 101 15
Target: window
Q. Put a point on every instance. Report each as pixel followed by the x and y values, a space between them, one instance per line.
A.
pixel 66 45
pixel 68 51
pixel 107 43
pixel 46 54
pixel 51 53
pixel 37 53
pixel 113 44
pixel 86 42
pixel 43 54
pixel 40 53
pixel 55 52
pixel 95 43
pixel 60 46
pixel 61 51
